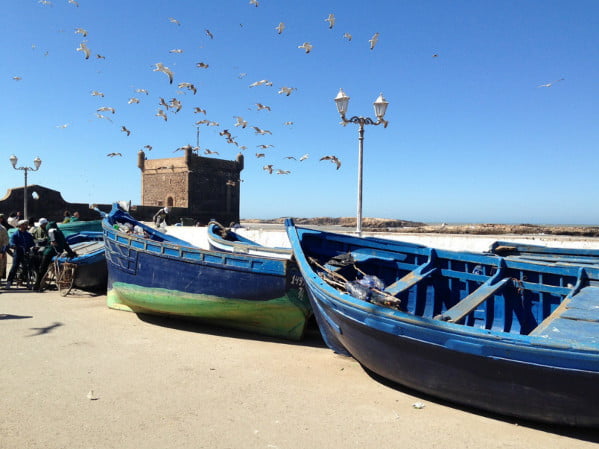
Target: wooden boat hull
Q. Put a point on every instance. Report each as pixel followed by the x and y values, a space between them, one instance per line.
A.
pixel 235 243
pixel 80 226
pixel 530 374
pixel 91 273
pixel 253 294
pixel 525 390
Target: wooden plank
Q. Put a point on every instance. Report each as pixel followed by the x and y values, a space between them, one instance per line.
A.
pixel 472 301
pixel 408 281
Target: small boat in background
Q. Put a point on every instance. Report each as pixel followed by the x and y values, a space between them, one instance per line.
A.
pixel 545 253
pixel 86 271
pixel 91 273
pixel 75 227
pixel 509 336
pixel 225 239
pixel 156 273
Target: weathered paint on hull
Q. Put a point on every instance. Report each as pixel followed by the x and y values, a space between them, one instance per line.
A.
pixel 282 317
pixel 161 274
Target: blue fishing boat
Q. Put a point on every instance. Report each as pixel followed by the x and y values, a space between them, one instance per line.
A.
pixel 225 239
pixel 545 253
pixel 75 227
pixel 509 336
pixel 91 273
pixel 154 272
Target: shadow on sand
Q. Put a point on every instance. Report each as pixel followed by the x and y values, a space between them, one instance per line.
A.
pixel 311 338
pixel 8 316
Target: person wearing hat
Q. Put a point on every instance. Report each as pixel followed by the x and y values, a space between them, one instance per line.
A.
pixel 58 244
pixel 162 216
pixel 40 236
pixel 3 246
pixel 21 242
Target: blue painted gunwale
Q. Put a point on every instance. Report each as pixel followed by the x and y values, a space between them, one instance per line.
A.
pixel 535 375
pixel 162 265
pixel 545 253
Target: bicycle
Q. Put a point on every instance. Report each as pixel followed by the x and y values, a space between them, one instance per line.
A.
pixel 27 270
pixel 61 275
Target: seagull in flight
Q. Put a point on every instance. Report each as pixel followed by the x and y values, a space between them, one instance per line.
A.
pixel 304 157
pixel 149 147
pixel 163 103
pixel 331 20
pixel 162 114
pixel 283 172
pixel 202 65
pixel 168 72
pixel 261 83
pixel 333 159
pixel 241 122
pixel 189 86
pixel 175 104
pixel 254 2
pixel 347 36
pixel 207 151
pixel 74 2
pixel 197 110
pixel 103 116
pixel 307 46
pixel 175 21
pixel 81 31
pixel 125 130
pixel 133 100
pixel 113 154
pixel 176 50
pixel 259 155
pixel 82 47
pixel 286 90
pixel 268 168
pixel 209 34
pixel 142 91
pixel 373 40
pixel 280 27
pixel 264 147
pixel 261 131
pixel 262 106
pixel 551 83
pixel 288 123
pixel 106 109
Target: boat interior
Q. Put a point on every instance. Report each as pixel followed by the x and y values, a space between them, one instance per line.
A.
pixel 478 290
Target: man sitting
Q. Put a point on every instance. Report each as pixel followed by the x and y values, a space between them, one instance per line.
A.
pixel 20 242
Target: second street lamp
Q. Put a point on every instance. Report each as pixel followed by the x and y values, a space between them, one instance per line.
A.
pixel 380 107
pixel 36 162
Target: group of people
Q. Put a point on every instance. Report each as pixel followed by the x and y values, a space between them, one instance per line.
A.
pixel 42 238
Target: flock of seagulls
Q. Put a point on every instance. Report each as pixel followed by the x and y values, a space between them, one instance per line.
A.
pixel 174 105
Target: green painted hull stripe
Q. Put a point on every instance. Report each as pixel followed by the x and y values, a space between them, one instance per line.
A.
pixel 283 317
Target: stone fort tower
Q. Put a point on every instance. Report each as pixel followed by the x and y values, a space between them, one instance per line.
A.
pixel 206 187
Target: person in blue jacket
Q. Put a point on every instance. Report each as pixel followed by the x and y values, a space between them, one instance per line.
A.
pixel 20 243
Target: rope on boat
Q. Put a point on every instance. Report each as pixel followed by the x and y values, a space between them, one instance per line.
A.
pixel 339 281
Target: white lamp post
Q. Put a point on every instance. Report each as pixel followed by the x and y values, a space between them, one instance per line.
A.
pixel 380 107
pixel 36 162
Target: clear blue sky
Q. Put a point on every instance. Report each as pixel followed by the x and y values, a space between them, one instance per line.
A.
pixel 472 136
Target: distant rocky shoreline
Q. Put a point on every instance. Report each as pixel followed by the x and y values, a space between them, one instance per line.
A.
pixel 406 226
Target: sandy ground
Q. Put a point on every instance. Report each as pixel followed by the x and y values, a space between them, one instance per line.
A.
pixel 160 383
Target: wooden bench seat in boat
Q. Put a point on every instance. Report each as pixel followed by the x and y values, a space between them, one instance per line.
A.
pixel 575 320
pixel 473 300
